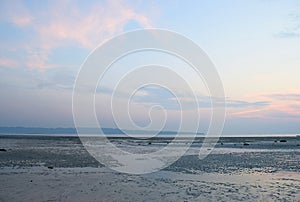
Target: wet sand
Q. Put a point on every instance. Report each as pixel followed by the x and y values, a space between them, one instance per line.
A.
pixel 101 184
pixel 60 169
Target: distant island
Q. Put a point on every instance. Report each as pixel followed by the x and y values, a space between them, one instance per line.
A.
pixel 40 130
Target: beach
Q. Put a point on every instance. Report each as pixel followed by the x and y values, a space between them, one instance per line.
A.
pixel 47 168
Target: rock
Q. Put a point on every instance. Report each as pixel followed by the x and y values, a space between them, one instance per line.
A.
pixel 149 143
pixel 3 150
pixel 270 171
pixel 50 167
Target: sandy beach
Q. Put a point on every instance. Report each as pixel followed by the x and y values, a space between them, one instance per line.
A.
pixel 59 169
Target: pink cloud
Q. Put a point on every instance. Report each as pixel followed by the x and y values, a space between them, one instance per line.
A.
pixel 16 12
pixel 6 62
pixel 65 24
pixel 283 106
pixel 22 20
pixel 89 30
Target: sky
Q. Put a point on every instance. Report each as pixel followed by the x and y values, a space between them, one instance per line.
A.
pixel 254 45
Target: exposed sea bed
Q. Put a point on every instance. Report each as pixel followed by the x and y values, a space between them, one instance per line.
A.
pixel 45 168
pixel 231 154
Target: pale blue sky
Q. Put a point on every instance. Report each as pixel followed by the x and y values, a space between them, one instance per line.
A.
pixel 255 46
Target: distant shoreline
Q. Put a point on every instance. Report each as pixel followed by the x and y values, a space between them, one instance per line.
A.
pixel 70 131
pixel 115 132
pixel 145 136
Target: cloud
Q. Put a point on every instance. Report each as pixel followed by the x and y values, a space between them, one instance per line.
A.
pixel 240 103
pixel 286 103
pixel 156 96
pixel 252 113
pixel 281 106
pixel 288 34
pixel 160 96
pixel 104 90
pixel 285 96
pixel 87 29
pixel 58 79
pixel 6 62
pixel 38 59
pixel 66 23
pixel 15 12
pixel 292 30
